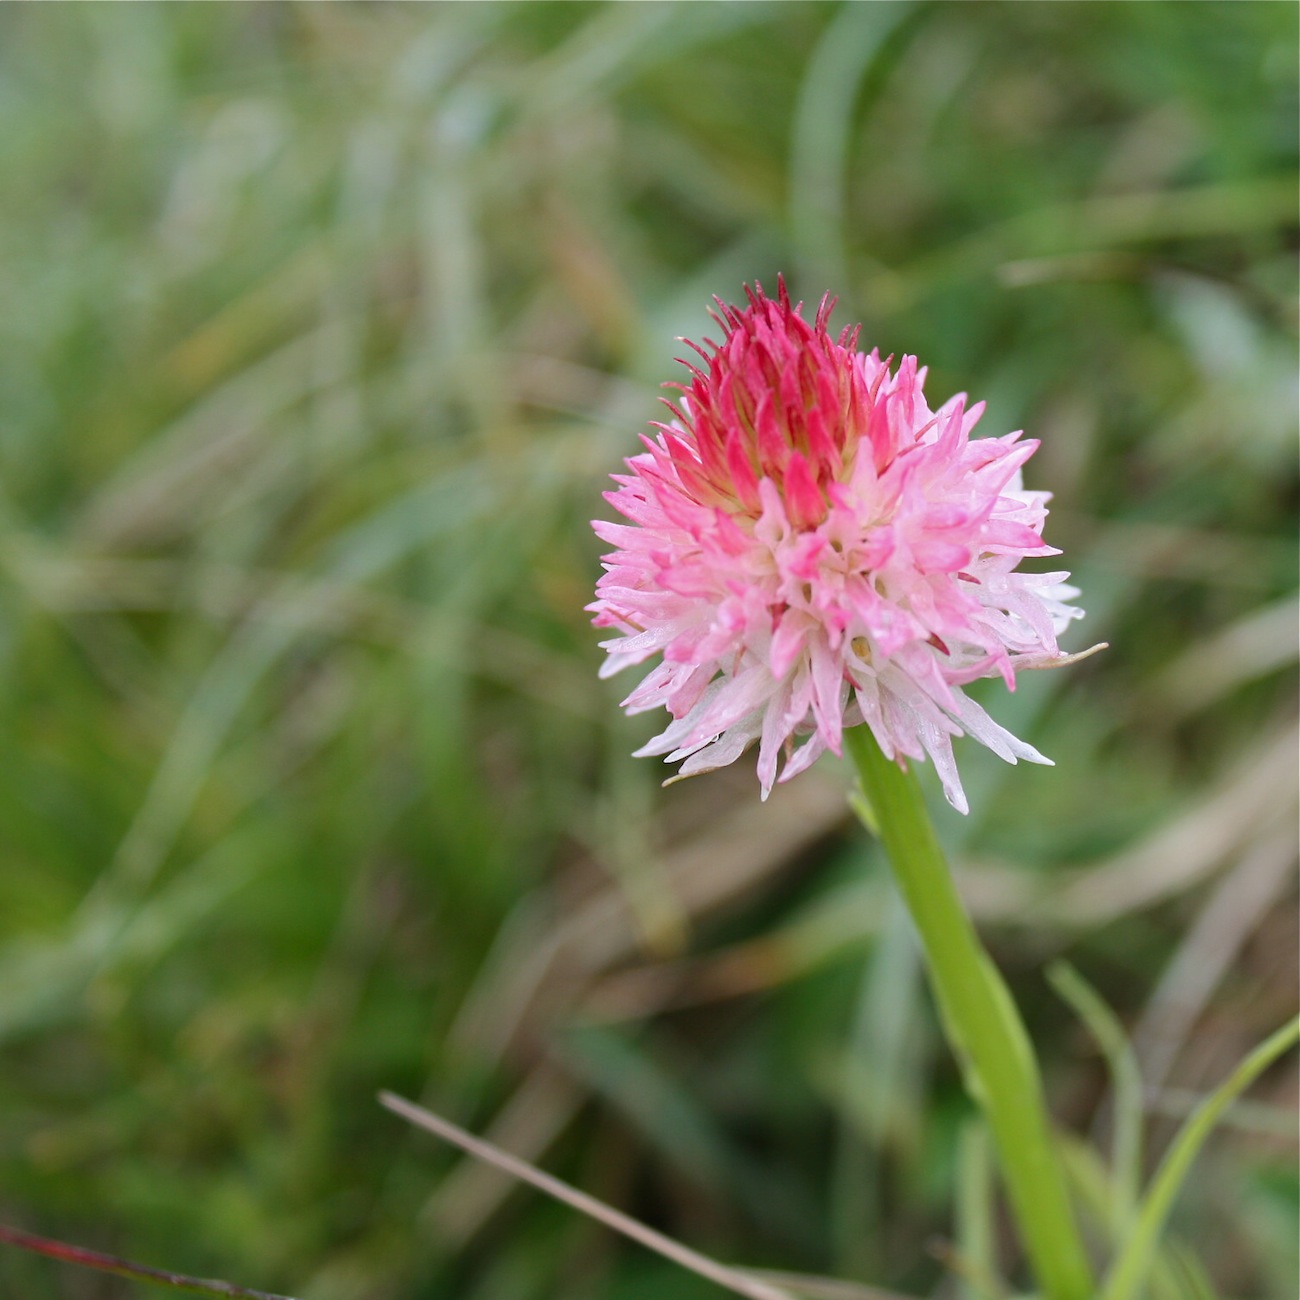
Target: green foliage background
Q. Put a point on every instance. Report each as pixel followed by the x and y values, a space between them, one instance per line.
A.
pixel 322 326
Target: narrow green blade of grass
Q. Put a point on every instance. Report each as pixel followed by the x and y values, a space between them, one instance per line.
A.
pixel 1126 1080
pixel 1130 1269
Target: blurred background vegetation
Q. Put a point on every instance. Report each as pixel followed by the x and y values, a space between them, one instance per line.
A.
pixel 322 327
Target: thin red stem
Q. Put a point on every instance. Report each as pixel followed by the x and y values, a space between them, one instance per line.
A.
pixel 96 1259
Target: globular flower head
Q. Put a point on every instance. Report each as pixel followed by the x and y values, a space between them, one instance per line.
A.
pixel 811 548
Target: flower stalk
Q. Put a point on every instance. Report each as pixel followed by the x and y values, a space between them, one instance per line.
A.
pixel 981 1022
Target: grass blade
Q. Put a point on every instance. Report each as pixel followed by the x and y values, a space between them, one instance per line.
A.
pixel 1104 1025
pixel 1129 1270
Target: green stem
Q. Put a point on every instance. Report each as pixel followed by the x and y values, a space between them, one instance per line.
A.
pixel 981 1023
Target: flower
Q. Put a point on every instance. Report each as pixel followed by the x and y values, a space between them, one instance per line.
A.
pixel 811 548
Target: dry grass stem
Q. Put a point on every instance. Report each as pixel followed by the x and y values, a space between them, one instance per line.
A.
pixel 732 1279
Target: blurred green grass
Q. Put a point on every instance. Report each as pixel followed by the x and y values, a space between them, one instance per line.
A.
pixel 323 325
